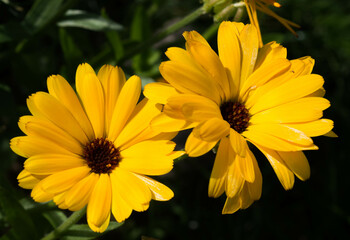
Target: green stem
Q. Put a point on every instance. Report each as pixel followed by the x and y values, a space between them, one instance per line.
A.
pixel 162 34
pixel 74 218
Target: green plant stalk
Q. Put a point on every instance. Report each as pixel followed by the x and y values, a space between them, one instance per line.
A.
pixel 74 218
pixel 162 34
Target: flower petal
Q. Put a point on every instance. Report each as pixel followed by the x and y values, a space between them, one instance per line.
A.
pixel 230 54
pixel 99 206
pixel 125 105
pixel 314 128
pixel 301 110
pixel 39 195
pixel 255 188
pixel 196 147
pixel 159 92
pixel 28 146
pixel 26 180
pixel 43 105
pixel 50 163
pixel 238 143
pixel 112 80
pixel 232 205
pixel 269 52
pixel 246 166
pixel 159 191
pixel 199 108
pixel 211 130
pixel 287 92
pixel 64 93
pixel 78 196
pixel 134 191
pixel 120 209
pixel 297 163
pixel 283 173
pixel 218 175
pixel 148 157
pixel 91 94
pixel 235 181
pixel 34 126
pixel 164 123
pixel 61 181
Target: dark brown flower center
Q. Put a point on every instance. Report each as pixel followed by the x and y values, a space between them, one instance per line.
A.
pixel 236 115
pixel 101 156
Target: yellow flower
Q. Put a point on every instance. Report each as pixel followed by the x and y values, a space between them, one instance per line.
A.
pixel 245 94
pixel 263 6
pixel 94 148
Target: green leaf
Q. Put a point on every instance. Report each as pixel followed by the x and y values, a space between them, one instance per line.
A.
pixel 89 21
pixel 22 226
pixel 55 218
pixel 41 12
pixel 71 51
pixel 83 232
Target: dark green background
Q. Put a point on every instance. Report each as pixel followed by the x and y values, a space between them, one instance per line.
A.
pixel 315 209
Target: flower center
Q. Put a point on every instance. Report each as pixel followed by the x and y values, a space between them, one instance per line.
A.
pixel 236 115
pixel 101 156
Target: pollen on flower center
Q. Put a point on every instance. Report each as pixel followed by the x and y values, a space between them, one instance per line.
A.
pixel 236 115
pixel 101 155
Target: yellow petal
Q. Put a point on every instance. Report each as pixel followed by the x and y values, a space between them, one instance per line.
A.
pixel 61 181
pixel 159 191
pixel 44 129
pixel 59 200
pixel 28 146
pixel 244 198
pixel 45 164
pixel 148 157
pixel 209 60
pixel 189 79
pixel 112 80
pixel 232 205
pixel 26 180
pixel 198 109
pixel 302 66
pixel 246 166
pixel 269 52
pixel 120 209
pixel 138 123
pixel 283 132
pixel 297 163
pixel 159 92
pixel 63 92
pixel 250 43
pixel 238 143
pixel 134 191
pixel 218 175
pixel 264 74
pixel 180 55
pixel 235 181
pixel 314 128
pixel 287 92
pixel 164 123
pixel 91 94
pixel 230 54
pixel 255 188
pixel 196 147
pixel 301 110
pixel 99 206
pixel 43 105
pixel 39 195
pixel 125 105
pixel 78 196
pixel 211 130
pixel 283 173
pixel 195 36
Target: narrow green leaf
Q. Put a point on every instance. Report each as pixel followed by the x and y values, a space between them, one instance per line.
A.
pixel 82 231
pixel 41 12
pixel 22 226
pixel 89 21
pixel 116 44
pixel 55 218
pixel 71 50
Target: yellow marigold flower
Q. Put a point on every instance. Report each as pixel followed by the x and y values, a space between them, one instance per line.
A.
pixel 95 147
pixel 245 94
pixel 263 6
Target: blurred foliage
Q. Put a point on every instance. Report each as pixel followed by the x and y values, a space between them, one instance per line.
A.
pixel 43 37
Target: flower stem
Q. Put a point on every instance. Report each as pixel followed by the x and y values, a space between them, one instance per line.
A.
pixel 74 218
pixel 165 32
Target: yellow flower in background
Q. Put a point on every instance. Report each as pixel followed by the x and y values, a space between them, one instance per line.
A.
pixel 245 96
pixel 263 6
pixel 95 147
